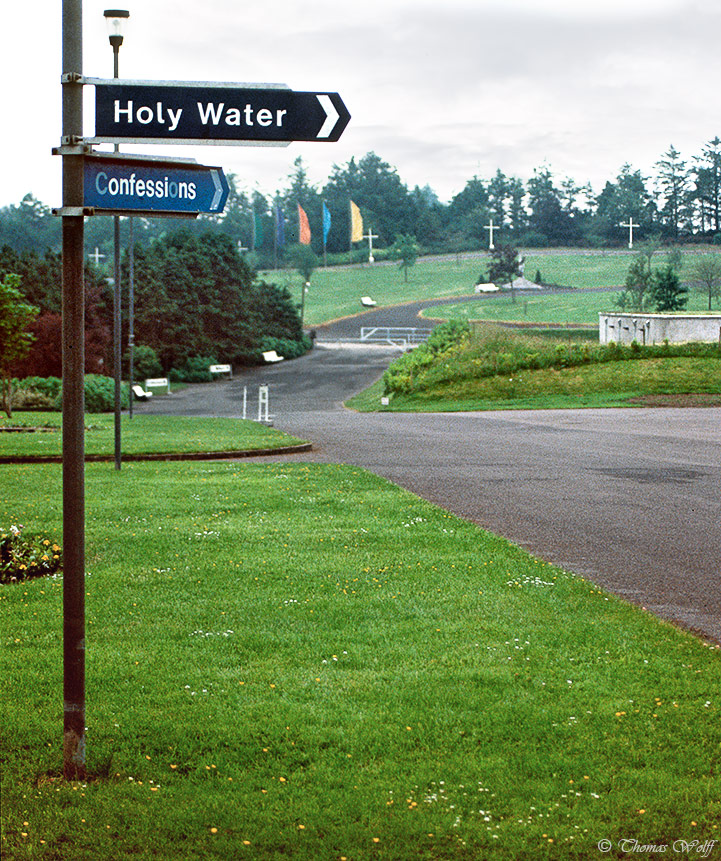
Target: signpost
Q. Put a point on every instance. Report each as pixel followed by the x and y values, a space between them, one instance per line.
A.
pixel 197 112
pixel 129 184
pixel 114 184
pixel 74 767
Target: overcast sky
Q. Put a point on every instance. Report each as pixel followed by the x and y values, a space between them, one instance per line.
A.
pixel 441 90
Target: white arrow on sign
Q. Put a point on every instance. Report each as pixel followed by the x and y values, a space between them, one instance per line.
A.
pixel 331 116
pixel 218 190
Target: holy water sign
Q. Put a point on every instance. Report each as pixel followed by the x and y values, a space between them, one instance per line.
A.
pixel 197 112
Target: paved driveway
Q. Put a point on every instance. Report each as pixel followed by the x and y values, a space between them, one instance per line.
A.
pixel 630 498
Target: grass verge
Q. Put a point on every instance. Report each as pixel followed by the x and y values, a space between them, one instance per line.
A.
pixel 306 661
pixel 634 383
pixel 142 434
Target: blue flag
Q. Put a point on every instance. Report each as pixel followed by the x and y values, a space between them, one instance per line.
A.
pixel 326 223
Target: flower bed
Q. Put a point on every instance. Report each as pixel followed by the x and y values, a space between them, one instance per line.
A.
pixel 25 556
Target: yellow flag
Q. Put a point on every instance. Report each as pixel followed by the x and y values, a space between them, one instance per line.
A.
pixel 356 223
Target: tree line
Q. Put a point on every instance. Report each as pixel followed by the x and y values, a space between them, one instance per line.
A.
pixel 195 297
pixel 680 202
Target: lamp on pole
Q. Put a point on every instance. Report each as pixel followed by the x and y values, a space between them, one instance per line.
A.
pixel 115 20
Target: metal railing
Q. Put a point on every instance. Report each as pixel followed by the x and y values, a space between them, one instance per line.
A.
pixel 397 335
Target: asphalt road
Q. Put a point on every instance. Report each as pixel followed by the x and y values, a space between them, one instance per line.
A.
pixel 630 498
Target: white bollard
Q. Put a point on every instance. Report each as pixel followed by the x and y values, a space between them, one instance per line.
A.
pixel 245 401
pixel 263 404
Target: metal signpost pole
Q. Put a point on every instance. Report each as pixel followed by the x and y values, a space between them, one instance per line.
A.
pixel 73 398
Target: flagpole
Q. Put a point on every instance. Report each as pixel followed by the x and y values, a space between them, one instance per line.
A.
pixel 275 239
pixel 325 235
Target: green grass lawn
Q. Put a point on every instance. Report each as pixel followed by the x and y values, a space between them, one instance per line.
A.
pixel 561 308
pixel 336 291
pixel 142 434
pixel 306 661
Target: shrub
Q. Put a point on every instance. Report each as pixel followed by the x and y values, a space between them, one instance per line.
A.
pixel 47 393
pixel 532 239
pixel 667 291
pixel 146 363
pixel 36 393
pixel 402 376
pixel 29 399
pixel 100 394
pixel 506 364
pixel 195 370
pixel 48 386
pixel 561 354
pixel 25 556
pixel 448 334
pixel 289 349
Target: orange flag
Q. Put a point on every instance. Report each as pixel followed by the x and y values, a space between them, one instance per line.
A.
pixel 303 227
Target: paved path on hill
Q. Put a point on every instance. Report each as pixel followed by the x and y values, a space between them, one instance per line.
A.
pixel 630 498
pixel 408 314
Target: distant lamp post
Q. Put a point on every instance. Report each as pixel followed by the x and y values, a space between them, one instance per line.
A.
pixel 115 20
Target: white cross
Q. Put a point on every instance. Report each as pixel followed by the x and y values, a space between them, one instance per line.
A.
pixel 630 226
pixel 490 228
pixel 241 247
pixel 96 256
pixel 370 236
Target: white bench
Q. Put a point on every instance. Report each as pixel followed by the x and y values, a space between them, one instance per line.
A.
pixel 141 394
pixel 367 302
pixel 272 356
pixel 158 383
pixel 221 369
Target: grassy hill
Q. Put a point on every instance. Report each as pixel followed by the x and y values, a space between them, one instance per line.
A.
pixel 336 292
pixel 497 368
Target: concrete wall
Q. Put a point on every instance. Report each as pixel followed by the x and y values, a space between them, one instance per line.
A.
pixel 657 328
